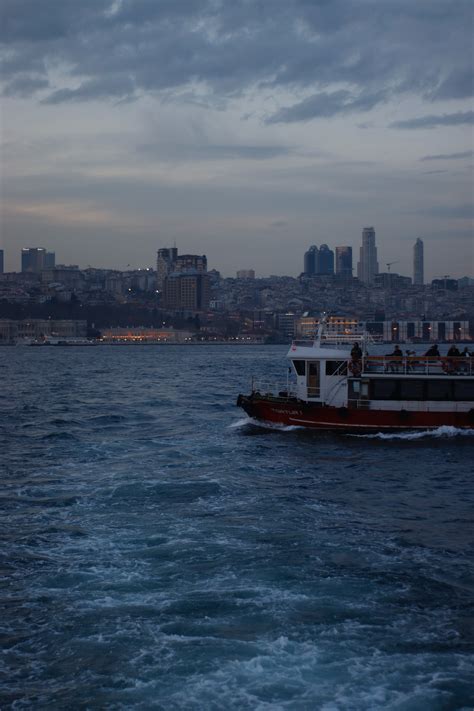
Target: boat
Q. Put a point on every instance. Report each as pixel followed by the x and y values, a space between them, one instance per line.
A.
pixel 332 389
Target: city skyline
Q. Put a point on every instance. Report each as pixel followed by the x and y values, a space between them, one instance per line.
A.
pixel 314 261
pixel 237 131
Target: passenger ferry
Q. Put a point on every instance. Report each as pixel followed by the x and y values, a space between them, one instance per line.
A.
pixel 334 390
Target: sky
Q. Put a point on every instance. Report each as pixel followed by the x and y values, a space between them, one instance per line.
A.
pixel 246 130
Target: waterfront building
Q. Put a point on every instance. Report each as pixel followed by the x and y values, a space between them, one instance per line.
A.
pixel 285 324
pixel 388 330
pixel 368 267
pixel 144 335
pixel 344 261
pixel 311 261
pixel 13 331
pixel 326 260
pixel 418 263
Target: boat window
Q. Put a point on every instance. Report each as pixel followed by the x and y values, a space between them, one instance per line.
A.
pixel 411 389
pixel 464 390
pixel 438 390
pixel 300 366
pixel 312 378
pixel 385 389
pixel 338 367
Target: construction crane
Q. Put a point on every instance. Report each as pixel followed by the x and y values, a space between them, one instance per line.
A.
pixel 389 264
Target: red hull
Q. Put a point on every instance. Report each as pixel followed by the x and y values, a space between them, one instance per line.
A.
pixel 324 417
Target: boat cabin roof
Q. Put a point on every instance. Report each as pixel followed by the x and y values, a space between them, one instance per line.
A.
pixel 316 353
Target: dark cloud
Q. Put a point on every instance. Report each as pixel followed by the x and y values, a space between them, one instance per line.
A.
pixel 348 55
pixel 449 156
pixel 457 119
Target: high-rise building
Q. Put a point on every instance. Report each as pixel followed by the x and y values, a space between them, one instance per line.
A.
pixel 368 266
pixel 187 291
pixel 418 262
pixel 32 259
pixel 49 261
pixel 1 261
pixel 185 262
pixel 311 261
pixel 326 260
pixel 344 261
pixel 165 264
pixel 246 274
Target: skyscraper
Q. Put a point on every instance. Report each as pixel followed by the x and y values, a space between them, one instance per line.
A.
pixel 49 261
pixel 326 260
pixel 311 261
pixel 32 259
pixel 165 264
pixel 344 261
pixel 368 266
pixel 1 261
pixel 418 264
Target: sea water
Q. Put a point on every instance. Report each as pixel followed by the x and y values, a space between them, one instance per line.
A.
pixel 159 551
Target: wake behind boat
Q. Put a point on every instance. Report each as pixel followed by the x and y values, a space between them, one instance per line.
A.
pixel 333 389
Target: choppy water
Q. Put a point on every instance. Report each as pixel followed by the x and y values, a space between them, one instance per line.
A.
pixel 159 552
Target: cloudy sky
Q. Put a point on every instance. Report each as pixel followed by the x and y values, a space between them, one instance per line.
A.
pixel 243 129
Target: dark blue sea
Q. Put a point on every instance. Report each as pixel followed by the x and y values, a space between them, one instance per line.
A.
pixel 158 551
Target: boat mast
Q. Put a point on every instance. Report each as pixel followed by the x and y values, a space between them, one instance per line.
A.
pixel 320 331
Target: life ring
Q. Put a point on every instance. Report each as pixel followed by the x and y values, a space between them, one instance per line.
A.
pixel 355 368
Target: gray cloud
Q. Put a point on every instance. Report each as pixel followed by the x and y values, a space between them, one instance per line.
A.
pixel 205 151
pixel 459 212
pixel 325 105
pixel 119 49
pixel 449 156
pixel 457 119
pixel 24 86
pixel 458 85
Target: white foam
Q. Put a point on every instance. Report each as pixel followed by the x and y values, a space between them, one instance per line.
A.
pixel 264 424
pixel 444 431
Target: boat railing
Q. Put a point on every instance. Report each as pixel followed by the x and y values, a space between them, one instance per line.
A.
pixel 274 388
pixel 413 365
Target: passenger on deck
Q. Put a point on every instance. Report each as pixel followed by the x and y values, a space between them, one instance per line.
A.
pixel 432 352
pixel 453 353
pixel 397 354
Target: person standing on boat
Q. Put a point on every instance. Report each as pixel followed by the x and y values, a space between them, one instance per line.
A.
pixel 356 352
pixel 355 366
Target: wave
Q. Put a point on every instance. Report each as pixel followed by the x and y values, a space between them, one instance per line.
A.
pixel 263 424
pixel 440 432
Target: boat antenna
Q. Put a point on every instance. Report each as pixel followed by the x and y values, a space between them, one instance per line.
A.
pixel 320 331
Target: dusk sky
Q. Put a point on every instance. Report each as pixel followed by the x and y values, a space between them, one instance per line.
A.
pixel 245 130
